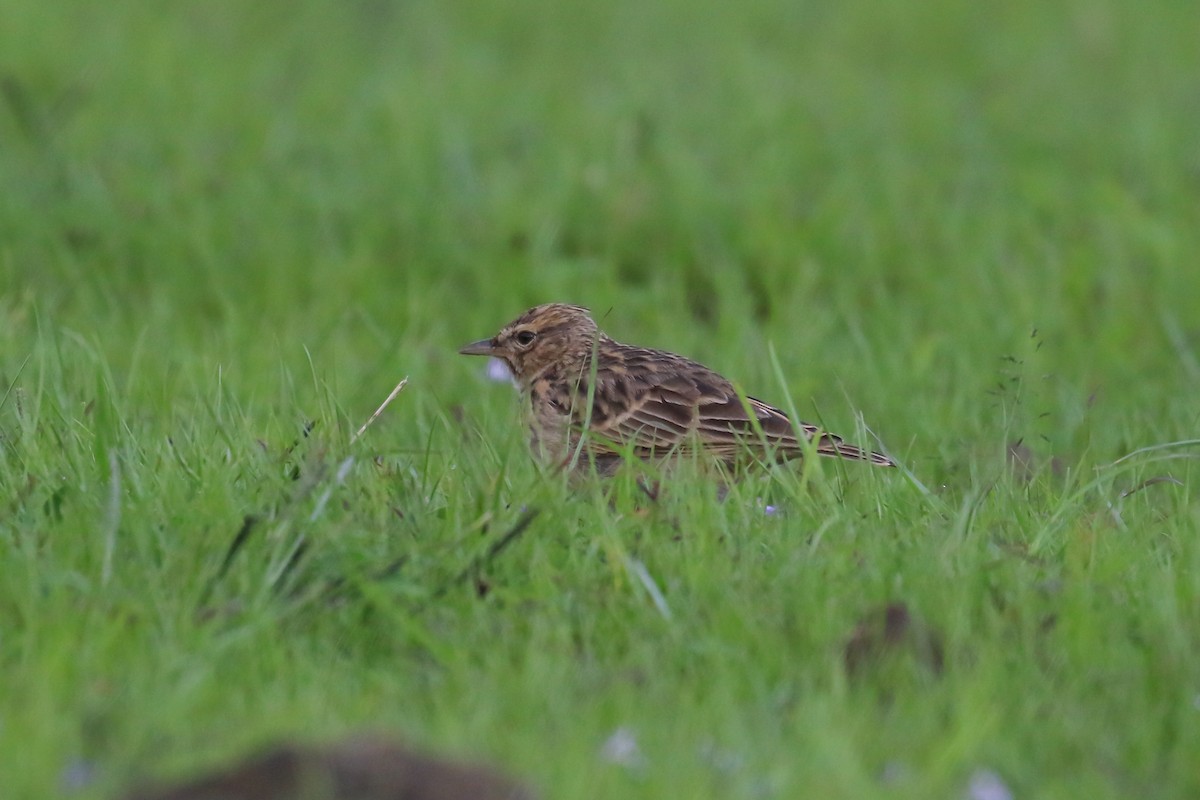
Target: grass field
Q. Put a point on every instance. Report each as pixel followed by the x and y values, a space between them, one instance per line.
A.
pixel 961 226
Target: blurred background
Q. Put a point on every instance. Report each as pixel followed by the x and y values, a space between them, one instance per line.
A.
pixel 971 224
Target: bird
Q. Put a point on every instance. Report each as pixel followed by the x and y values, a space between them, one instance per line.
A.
pixel 593 400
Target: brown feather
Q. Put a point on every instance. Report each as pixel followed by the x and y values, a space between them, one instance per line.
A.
pixel 656 403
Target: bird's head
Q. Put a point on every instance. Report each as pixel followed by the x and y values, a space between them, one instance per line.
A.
pixel 549 335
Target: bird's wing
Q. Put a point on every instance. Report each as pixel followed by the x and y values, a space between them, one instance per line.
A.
pixel 655 402
pixel 678 409
pixel 725 429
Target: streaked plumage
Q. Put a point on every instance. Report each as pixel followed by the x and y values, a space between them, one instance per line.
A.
pixel 652 403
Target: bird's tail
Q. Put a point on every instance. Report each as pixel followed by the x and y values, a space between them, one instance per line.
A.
pixel 833 446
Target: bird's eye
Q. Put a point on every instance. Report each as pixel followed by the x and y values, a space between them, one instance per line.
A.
pixel 525 338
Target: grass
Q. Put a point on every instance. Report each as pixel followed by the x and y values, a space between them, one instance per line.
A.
pixel 225 224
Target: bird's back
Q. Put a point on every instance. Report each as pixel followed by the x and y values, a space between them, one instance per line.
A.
pixel 657 403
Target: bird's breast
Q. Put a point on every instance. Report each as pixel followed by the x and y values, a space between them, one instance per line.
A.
pixel 549 423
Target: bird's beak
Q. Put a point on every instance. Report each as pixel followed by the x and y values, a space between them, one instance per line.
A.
pixel 481 348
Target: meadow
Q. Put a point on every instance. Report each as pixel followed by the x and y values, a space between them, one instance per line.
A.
pixel 966 233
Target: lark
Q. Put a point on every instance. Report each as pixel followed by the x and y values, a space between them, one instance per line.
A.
pixel 594 401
